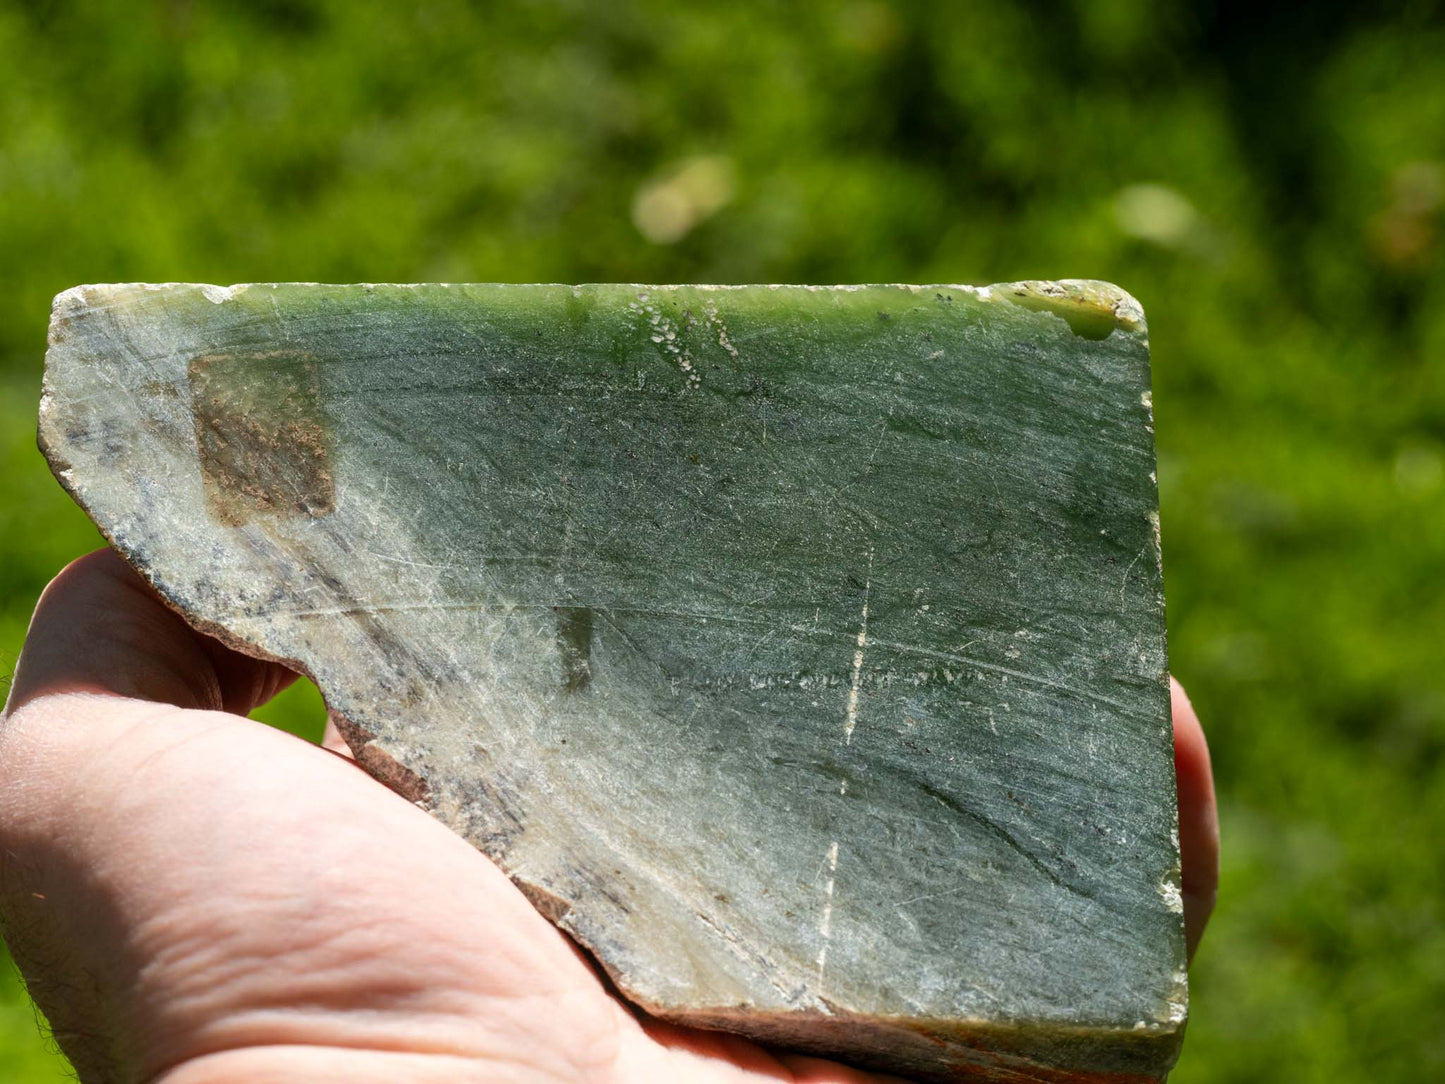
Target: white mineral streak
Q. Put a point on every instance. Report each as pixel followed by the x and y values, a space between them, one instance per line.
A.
pixel 1153 517
pixel 852 713
pixel 826 927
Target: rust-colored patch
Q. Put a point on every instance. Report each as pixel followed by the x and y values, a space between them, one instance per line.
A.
pixel 553 907
pixel 379 764
pixel 264 440
pixel 936 1051
pixel 996 1057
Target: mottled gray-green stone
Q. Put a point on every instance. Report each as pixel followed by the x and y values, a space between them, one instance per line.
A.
pixel 800 651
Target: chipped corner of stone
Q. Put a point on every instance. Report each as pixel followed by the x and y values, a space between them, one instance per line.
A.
pixel 1093 309
pixel 67 304
pixel 78 300
pixel 1117 301
pixel 70 307
pixel 67 307
pixel 1170 1016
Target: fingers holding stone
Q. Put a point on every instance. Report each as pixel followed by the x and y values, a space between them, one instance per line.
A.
pixel 178 883
pixel 100 628
pixel 1198 817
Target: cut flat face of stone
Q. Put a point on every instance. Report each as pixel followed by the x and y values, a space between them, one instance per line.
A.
pixel 800 651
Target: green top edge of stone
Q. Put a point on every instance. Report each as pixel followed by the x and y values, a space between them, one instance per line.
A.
pixel 1092 308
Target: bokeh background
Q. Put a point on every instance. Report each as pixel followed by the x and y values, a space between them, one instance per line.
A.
pixel 1268 178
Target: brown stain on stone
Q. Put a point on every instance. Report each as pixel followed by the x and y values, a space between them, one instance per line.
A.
pixel 553 907
pixel 380 764
pixel 929 1051
pixel 263 439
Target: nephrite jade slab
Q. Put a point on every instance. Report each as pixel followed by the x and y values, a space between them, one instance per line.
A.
pixel 799 651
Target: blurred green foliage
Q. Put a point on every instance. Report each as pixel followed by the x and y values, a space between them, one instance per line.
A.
pixel 1268 179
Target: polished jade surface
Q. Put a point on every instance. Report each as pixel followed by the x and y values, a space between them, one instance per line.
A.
pixel 798 650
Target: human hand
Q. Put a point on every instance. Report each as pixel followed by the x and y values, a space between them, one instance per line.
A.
pixel 1198 817
pixel 195 898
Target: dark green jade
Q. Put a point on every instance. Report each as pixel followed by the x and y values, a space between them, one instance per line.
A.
pixel 798 650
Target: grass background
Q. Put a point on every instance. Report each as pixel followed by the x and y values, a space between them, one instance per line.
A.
pixel 1269 179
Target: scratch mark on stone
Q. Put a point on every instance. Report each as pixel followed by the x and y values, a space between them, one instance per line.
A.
pixel 882 432
pixel 1124 584
pixel 852 714
pixel 994 668
pixel 280 317
pixel 933 895
pixel 415 564
pixel 1004 836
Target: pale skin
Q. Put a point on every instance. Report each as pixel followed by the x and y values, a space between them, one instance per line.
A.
pixel 195 898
